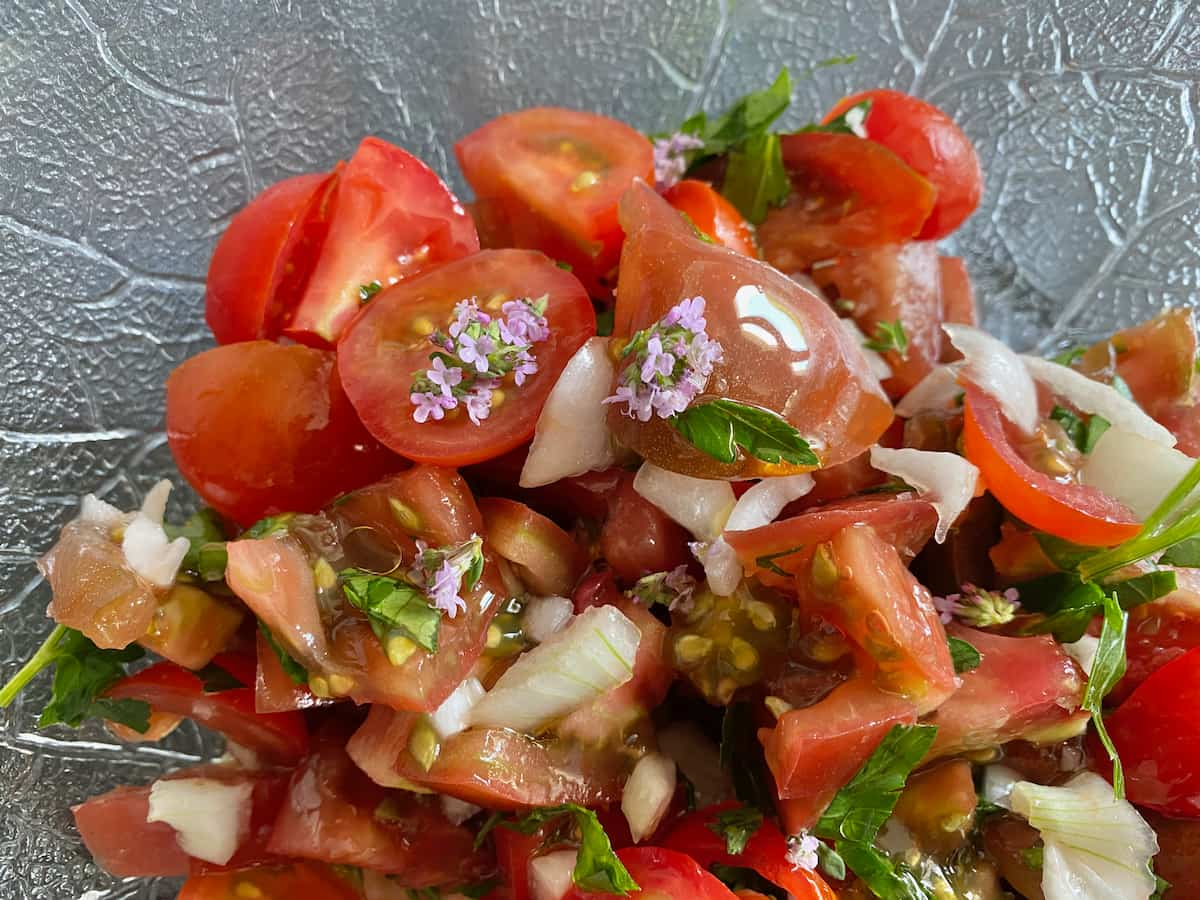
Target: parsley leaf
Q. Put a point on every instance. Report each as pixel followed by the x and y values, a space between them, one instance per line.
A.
pixel 756 178
pixel 270 526
pixel 719 427
pixel 736 827
pixel 767 560
pixel 742 758
pixel 1108 667
pixel 1083 434
pixel 393 605
pixel 597 867
pixel 214 679
pixel 291 667
pixel 964 655
pixel 879 873
pixel 889 337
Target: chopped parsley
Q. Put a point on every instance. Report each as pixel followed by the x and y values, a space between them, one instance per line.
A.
pixel 597 867
pixel 367 291
pixel 1108 667
pixel 964 655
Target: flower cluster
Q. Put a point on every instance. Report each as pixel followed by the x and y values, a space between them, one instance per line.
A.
pixel 475 353
pixel 441 572
pixel 670 157
pixel 669 363
pixel 673 589
pixel 979 608
pixel 802 850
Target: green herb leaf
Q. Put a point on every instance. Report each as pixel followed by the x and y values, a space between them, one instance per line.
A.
pixel 270 526
pixel 206 557
pixel 878 872
pixel 987 808
pixel 488 826
pixel 1096 427
pixel 742 758
pixel 367 291
pixel 964 655
pixel 1185 555
pixel 830 862
pixel 719 427
pixel 1108 667
pixel 736 827
pixel 291 667
pixel 1069 604
pixel 1073 425
pixel 750 116
pixel 756 178
pixel 1070 356
pixel 1161 885
pixel 605 320
pixel 597 867
pixel 889 337
pixel 1033 857
pixel 214 679
pixel 860 808
pixel 392 606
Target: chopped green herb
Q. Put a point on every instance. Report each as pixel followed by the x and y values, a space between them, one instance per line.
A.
pixel 1070 356
pixel 893 485
pixel 597 867
pixel 206 557
pixel 488 826
pixel 736 827
pixel 564 265
pixel 1069 604
pixel 1108 667
pixel 743 760
pixel 696 228
pixel 1033 857
pixel 1071 424
pixel 987 808
pixel 749 117
pixel 844 60
pixel 830 862
pixel 1185 554
pixel 964 655
pixel 393 606
pixel 719 427
pixel 1096 427
pixel 367 291
pixel 885 877
pixel 889 337
pixel 767 561
pixel 215 679
pixel 756 178
pixel 290 666
pixel 1161 885
pixel 270 526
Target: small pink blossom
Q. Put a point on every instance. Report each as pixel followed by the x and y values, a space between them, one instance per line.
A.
pixel 670 158
pixel 802 850
pixel 429 405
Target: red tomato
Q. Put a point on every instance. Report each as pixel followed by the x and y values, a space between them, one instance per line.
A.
pixel 663 874
pixel 903 521
pixel 1155 358
pixel 766 853
pixel 958 296
pixel 294 881
pixel 278 737
pixel 1156 732
pixel 1178 857
pixel 814 751
pixel 929 141
pixel 783 347
pixel 259 428
pixel 838 482
pixel 190 626
pixel 847 194
pixel 1078 513
pixel 1160 631
pixel 713 215
pixel 637 538
pixel 545 557
pixel 1024 688
pixel 390 341
pixel 549 179
pixel 264 256
pixel 513 853
pixel 274 689
pixel 392 218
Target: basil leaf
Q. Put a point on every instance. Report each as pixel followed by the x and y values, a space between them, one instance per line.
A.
pixel 293 669
pixel 1185 554
pixel 1073 425
pixel 214 679
pixel 719 427
pixel 830 862
pixel 756 178
pixel 597 867
pixel 889 337
pixel 878 872
pixel 964 655
pixel 1108 667
pixel 736 827
pixel 748 117
pixel 393 605
pixel 743 759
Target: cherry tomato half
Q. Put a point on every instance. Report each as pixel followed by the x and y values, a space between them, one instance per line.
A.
pixel 546 558
pixel 713 215
pixel 663 874
pixel 288 882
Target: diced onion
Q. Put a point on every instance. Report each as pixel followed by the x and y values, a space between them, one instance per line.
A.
pixel 95 511
pixel 1096 846
pixel 210 817
pixel 592 655
pixel 546 616
pixel 700 505
pixel 879 367
pixel 1136 471
pixel 454 715
pixel 998 782
pixel 1083 651
pixel 550 875
pixel 937 390
pixel 944 479
pixel 572 436
pixel 458 811
pixel 996 370
pixel 699 759
pixel 1098 398
pixel 648 794
pixel 145 544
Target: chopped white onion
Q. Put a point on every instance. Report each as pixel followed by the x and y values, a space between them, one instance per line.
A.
pixel 700 505
pixel 996 370
pixel 454 715
pixel 648 794
pixel 572 431
pixel 937 390
pixel 1136 471
pixel 592 655
pixel 210 817
pixel 1096 846
pixel 878 365
pixel 458 811
pixel 95 511
pixel 722 568
pixel 1098 398
pixel 546 616
pixel 1083 651
pixel 550 875
pixel 145 544
pixel 998 782
pixel 944 479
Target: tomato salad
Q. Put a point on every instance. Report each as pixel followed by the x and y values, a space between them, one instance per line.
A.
pixel 659 524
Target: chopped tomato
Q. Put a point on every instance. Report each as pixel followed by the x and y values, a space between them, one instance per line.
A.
pixel 1156 359
pixel 389 342
pixel 294 881
pixel 513 853
pixel 281 414
pixel 546 558
pixel 1178 857
pixel 190 626
pixel 662 873
pixel 264 257
pixel 549 179
pixel 637 538
pixel 1160 631
pixel 838 483
pixel 1024 687
pixel 932 144
pixel 958 297
pixel 938 804
pixel 391 218
pixel 963 557
pixel 278 737
pixel 274 689
pixel 1078 513
pixel 847 194
pixel 1008 841
pixel 783 347
pixel 713 215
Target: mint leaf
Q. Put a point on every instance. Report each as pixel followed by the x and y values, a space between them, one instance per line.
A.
pixel 878 872
pixel 1108 667
pixel 964 656
pixel 718 427
pixel 291 667
pixel 756 178
pixel 736 827
pixel 889 337
pixel 748 117
pixel 393 605
pixel 597 867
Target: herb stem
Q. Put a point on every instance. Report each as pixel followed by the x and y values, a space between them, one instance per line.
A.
pixel 44 657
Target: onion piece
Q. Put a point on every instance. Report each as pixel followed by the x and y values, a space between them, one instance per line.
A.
pixel 592 655
pixel 210 817
pixel 937 390
pixel 998 782
pixel 454 715
pixel 648 794
pixel 946 480
pixel 875 361
pixel 1096 846
pixel 1136 471
pixel 1097 398
pixel 1083 651
pixel 145 543
pixel 546 616
pixel 700 505
pixel 458 811
pixel 571 436
pixel 996 370
pixel 95 511
pixel 551 875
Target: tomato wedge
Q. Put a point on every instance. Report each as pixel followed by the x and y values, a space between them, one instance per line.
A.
pixel 294 881
pixel 391 218
pixel 847 194
pixel 1159 632
pixel 1077 513
pixel 662 873
pixel 929 141
pixel 389 343
pixel 549 179
pixel 1156 359
pixel 713 215
pixel 545 556
pixel 958 296
pixel 637 538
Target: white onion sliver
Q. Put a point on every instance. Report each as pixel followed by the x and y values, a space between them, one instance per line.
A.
pixel 998 782
pixel 648 793
pixel 454 715
pixel 1133 470
pixel 551 874
pixel 700 505
pixel 996 370
pixel 1083 651
pixel 95 511
pixel 572 431
pixel 937 390
pixel 1092 396
pixel 210 817
pixel 944 479
pixel 546 616
pixel 878 365
pixel 145 544
pixel 458 811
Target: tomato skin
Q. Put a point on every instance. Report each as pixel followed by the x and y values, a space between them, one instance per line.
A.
pixel 1077 513
pixel 382 349
pixel 958 298
pixel 274 690
pixel 663 874
pixel 546 558
pixel 1178 857
pixel 713 215
pixel 293 881
pixel 637 538
pixel 280 414
pixel 525 168
pixel 929 141
pixel 392 217
pixel 1159 632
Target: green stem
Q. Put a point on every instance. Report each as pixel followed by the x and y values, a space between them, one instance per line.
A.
pixel 45 656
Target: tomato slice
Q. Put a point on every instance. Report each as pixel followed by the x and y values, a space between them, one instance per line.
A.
pixel 663 874
pixel 513 853
pixel 549 179
pixel 280 414
pixel 1156 359
pixel 847 194
pixel 1159 632
pixel 932 144
pixel 713 215
pixel 280 882
pixel 783 347
pixel 389 343
pixel 274 689
pixel 191 626
pixel 278 737
pixel 392 218
pixel 637 538
pixel 1078 513
pixel 546 558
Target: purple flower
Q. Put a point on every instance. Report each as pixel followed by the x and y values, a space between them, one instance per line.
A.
pixel 526 366
pixel 479 401
pixel 946 607
pixel 476 350
pixel 637 403
pixel 669 402
pixel 703 354
pixel 688 314
pixel 445 378
pixel 522 323
pixel 670 157
pixel 802 850
pixel 657 361
pixel 443 592
pixel 465 312
pixel 429 404
pixel 979 608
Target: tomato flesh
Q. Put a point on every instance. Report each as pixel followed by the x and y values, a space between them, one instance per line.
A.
pixel 663 874
pixel 958 296
pixel 1160 632
pixel 637 538
pixel 715 216
pixel 545 556
pixel 280 882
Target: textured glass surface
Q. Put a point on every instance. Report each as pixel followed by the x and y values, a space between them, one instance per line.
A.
pixel 131 130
